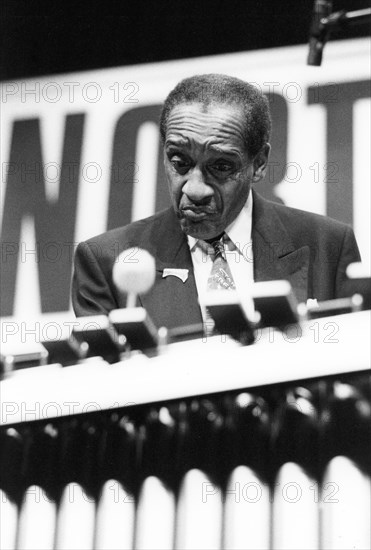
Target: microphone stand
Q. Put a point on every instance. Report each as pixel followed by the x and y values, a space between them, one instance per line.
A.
pixel 334 21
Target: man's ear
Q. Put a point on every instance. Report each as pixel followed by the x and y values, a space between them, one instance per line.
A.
pixel 260 162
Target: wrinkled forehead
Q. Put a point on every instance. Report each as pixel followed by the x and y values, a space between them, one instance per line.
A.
pixel 200 122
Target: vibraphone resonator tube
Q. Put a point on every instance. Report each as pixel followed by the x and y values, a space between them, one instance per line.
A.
pixel 247 504
pixel 345 488
pixel 295 468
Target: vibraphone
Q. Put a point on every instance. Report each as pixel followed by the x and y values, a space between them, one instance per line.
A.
pixel 208 445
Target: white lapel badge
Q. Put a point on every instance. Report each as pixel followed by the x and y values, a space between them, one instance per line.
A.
pixel 182 274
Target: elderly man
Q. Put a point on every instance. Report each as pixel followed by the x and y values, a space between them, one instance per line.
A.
pixel 215 132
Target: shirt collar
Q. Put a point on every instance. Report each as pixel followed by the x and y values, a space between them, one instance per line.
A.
pixel 239 231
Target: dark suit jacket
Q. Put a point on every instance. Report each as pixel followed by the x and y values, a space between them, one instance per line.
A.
pixel 310 251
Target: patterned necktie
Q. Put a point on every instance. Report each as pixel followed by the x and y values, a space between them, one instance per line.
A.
pixel 220 277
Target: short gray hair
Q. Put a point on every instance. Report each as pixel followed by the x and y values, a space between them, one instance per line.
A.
pixel 210 89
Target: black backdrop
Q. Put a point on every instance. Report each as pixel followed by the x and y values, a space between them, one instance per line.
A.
pixel 72 35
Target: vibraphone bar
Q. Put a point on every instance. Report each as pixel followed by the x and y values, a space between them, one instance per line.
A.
pixel 257 465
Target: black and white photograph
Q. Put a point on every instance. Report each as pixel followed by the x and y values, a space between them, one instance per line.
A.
pixel 185 275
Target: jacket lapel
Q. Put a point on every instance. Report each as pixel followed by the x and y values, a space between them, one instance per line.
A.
pixel 172 302
pixel 275 255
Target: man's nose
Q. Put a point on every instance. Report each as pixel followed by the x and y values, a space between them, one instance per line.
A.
pixel 196 188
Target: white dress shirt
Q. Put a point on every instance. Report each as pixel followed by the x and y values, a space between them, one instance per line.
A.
pixel 238 248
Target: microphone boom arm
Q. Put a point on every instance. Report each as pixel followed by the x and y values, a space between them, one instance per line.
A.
pixel 333 21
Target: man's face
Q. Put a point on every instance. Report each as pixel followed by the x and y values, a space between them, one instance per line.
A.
pixel 208 168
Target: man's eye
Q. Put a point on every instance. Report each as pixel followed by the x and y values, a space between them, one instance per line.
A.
pixel 222 166
pixel 179 163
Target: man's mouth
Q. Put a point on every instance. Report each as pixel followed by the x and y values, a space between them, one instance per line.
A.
pixel 194 213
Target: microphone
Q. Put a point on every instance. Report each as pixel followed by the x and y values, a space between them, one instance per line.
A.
pixel 318 31
pixel 134 273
